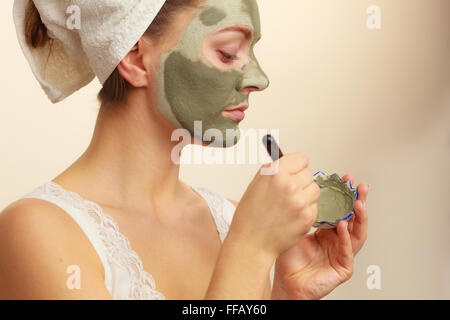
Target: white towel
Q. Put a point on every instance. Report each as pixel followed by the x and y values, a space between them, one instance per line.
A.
pixel 108 30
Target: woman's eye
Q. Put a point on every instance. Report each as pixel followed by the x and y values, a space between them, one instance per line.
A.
pixel 227 58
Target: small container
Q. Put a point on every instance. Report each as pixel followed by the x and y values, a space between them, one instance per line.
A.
pixel 337 198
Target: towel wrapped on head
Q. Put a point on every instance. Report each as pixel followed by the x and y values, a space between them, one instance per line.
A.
pixel 106 32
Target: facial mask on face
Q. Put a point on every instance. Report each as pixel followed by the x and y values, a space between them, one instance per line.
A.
pixel 191 89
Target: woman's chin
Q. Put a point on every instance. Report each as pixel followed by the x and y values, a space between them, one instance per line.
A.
pixel 220 141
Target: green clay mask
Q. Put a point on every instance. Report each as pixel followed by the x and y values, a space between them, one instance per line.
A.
pixel 336 199
pixel 192 88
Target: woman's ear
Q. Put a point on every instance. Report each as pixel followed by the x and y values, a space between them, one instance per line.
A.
pixel 132 67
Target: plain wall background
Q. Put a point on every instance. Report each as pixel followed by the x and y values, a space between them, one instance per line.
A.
pixel 372 103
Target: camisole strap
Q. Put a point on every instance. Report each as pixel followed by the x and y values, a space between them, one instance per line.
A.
pixel 221 209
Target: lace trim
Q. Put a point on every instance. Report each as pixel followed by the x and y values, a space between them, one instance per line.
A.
pixel 118 246
pixel 216 205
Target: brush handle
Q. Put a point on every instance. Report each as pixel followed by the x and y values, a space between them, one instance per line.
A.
pixel 272 147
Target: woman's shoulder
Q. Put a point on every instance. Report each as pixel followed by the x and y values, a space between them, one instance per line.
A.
pixel 37 215
pixel 38 224
pixel 32 215
pixel 38 243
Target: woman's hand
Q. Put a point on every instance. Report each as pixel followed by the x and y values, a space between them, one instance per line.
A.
pixel 277 209
pixel 321 261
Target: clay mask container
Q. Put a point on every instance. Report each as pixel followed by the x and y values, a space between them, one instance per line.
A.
pixel 336 201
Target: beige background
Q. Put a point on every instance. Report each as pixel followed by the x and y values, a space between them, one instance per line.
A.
pixel 383 100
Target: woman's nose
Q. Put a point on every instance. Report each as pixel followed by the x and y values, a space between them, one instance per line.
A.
pixel 253 78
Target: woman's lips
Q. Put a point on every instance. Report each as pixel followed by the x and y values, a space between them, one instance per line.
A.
pixel 235 113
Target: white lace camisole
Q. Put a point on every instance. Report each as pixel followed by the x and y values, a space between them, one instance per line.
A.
pixel 125 277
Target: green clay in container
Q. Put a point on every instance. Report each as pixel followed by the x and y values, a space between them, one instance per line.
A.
pixel 336 200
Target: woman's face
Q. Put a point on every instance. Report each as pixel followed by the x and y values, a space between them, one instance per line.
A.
pixel 211 68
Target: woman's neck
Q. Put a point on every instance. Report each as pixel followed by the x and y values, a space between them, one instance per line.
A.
pixel 128 162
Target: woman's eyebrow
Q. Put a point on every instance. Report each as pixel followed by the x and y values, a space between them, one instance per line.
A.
pixel 245 30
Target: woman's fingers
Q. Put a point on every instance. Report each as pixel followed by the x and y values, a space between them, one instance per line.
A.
pixel 359 231
pixel 363 190
pixel 345 247
pixel 305 178
pixel 347 177
pixel 350 223
pixel 357 225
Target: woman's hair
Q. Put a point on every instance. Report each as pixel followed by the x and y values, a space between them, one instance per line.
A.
pixel 115 87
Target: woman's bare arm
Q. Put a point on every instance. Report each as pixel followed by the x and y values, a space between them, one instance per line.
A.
pixel 241 272
pixel 268 286
pixel 39 245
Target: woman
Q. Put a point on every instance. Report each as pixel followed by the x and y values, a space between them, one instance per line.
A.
pixel 118 223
